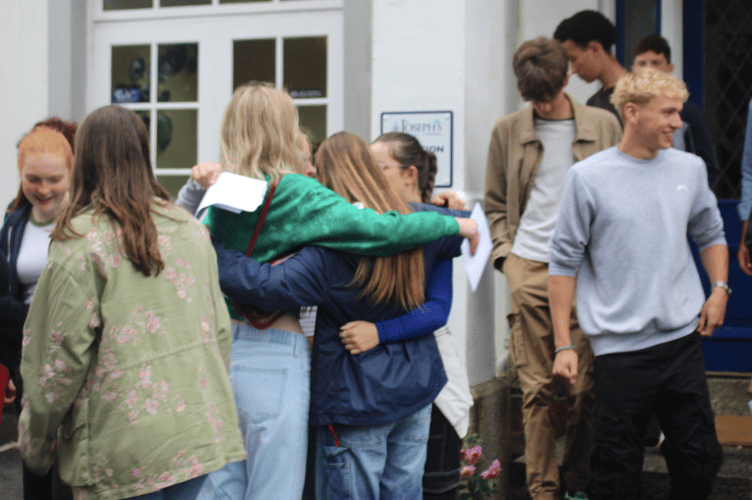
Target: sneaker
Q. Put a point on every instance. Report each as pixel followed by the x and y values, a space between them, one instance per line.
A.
pixel 577 495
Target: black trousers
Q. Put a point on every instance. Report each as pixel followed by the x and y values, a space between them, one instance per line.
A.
pixel 668 380
pixel 441 476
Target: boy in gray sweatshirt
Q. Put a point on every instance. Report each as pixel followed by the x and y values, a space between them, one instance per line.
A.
pixel 621 238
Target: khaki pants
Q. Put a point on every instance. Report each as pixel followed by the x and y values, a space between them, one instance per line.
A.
pixel 532 349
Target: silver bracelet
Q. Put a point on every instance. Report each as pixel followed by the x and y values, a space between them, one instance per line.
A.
pixel 563 348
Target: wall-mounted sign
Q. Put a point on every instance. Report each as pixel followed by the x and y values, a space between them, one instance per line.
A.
pixel 434 131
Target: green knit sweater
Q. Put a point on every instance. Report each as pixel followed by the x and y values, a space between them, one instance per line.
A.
pixel 303 211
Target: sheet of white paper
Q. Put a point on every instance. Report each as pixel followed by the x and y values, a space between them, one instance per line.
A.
pixel 476 264
pixel 236 193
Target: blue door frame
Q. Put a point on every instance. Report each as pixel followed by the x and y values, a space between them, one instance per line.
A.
pixel 730 347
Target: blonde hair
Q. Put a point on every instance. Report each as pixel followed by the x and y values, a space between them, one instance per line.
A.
pixel 41 140
pixel 641 85
pixel 346 165
pixel 259 133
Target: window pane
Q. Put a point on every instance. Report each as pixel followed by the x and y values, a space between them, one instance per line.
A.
pixel 304 66
pixel 172 183
pixel 253 60
pixel 242 1
pixel 639 20
pixel 127 4
pixel 177 135
pixel 178 73
pixel 130 73
pixel 313 118
pixel 182 3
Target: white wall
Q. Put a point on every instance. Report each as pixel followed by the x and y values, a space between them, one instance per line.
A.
pixel 418 64
pixel 23 81
pixel 491 92
pixel 533 24
pixel 437 55
pixel 672 29
pixel 357 71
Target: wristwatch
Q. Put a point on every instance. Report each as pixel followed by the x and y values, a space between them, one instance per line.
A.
pixel 723 285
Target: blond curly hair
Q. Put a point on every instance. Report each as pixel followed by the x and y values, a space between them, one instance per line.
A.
pixel 641 85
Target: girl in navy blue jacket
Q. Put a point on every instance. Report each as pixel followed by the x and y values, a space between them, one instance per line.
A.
pixel 373 409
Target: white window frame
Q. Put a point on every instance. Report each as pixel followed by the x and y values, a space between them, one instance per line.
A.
pixel 214 28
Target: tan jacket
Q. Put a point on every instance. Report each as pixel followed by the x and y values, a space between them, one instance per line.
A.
pixel 514 156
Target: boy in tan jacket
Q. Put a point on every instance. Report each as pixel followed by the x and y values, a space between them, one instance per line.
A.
pixel 529 155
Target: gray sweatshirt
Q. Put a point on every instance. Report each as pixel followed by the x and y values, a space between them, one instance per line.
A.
pixel 622 231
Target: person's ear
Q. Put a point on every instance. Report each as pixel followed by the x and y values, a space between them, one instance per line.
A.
pixel 630 111
pixel 566 80
pixel 670 69
pixel 410 174
pixel 595 46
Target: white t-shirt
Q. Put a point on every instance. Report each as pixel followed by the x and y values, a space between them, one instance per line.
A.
pixel 32 256
pixel 539 218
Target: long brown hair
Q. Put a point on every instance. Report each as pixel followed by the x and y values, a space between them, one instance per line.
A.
pixel 346 166
pixel 112 173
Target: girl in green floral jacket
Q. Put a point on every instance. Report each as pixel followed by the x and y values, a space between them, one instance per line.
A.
pixel 127 342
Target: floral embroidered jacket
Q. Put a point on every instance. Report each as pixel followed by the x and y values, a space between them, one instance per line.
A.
pixel 131 369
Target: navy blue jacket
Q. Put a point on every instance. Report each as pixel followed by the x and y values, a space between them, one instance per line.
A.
pixel 13 310
pixel 382 385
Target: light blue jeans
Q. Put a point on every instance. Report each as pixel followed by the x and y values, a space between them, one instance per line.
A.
pixel 270 377
pixel 187 490
pixel 381 462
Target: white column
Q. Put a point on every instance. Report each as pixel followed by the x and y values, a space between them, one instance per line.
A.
pixel 672 29
pixel 541 17
pixel 449 55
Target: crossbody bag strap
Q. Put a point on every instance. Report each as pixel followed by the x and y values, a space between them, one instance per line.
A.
pixel 262 215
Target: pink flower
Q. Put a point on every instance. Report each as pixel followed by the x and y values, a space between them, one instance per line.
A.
pixel 152 323
pixel 151 406
pixel 205 324
pixel 493 471
pixel 467 470
pixel 196 469
pixel 131 398
pixel 472 455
